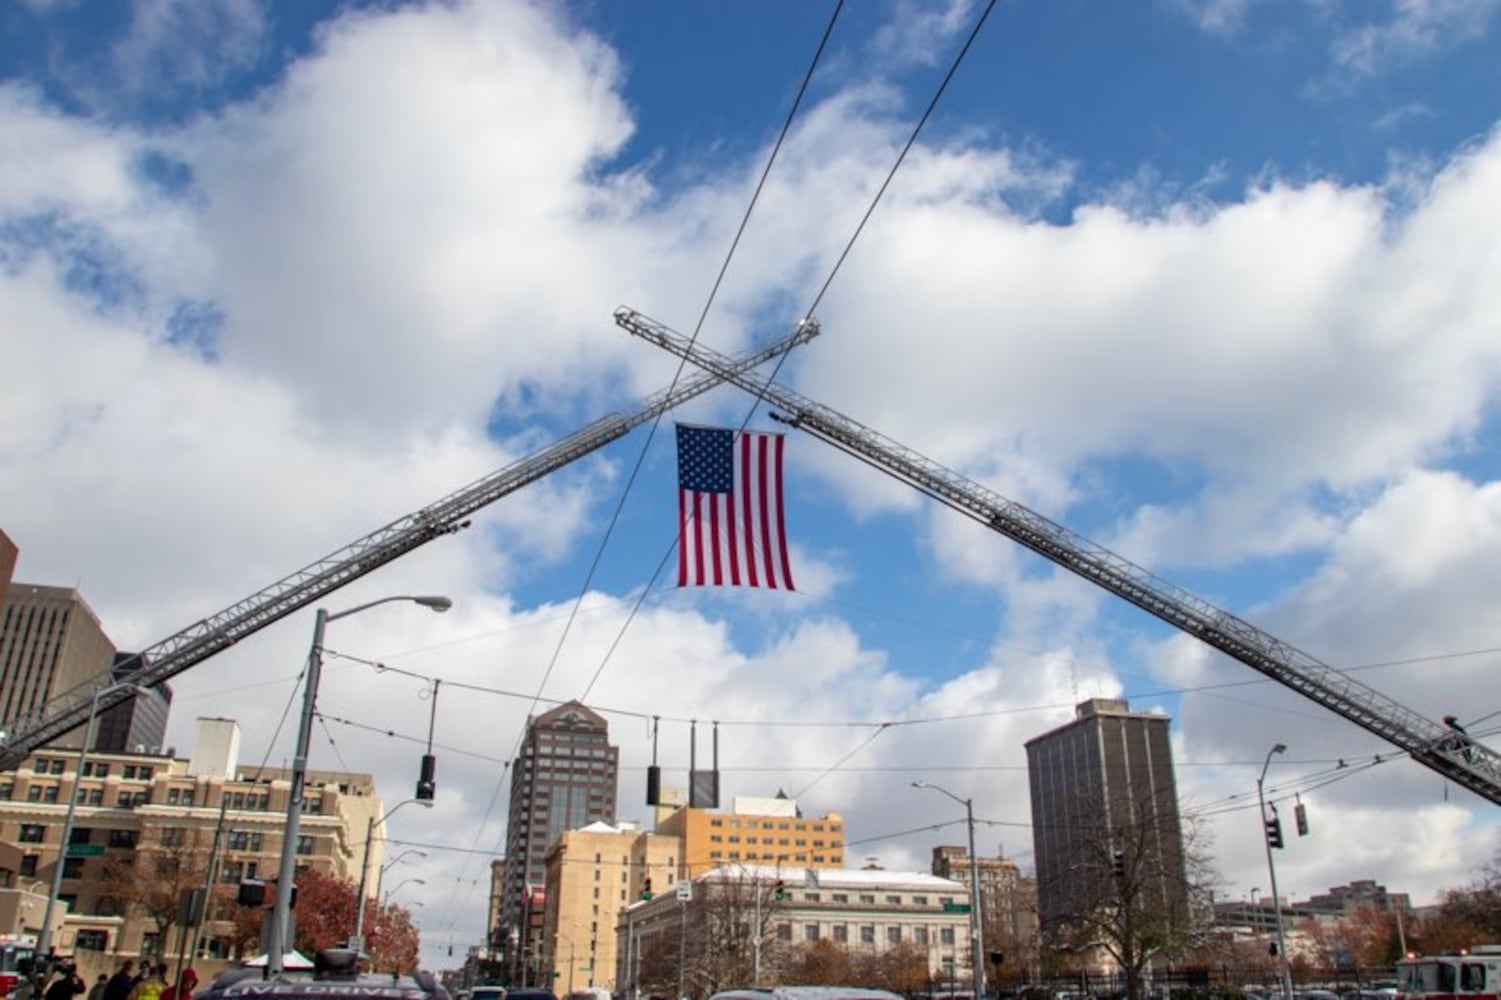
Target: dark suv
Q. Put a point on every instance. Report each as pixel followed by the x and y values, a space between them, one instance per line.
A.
pixel 336 973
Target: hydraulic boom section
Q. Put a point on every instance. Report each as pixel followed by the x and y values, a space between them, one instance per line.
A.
pixel 1432 744
pixel 204 638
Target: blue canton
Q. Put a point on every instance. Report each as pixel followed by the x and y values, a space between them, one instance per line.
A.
pixel 706 459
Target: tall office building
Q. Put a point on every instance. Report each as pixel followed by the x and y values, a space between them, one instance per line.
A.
pixel 50 642
pixel 1008 900
pixel 8 554
pixel 563 779
pixel 1104 800
pixel 139 723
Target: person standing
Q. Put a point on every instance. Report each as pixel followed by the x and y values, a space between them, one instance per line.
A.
pixel 96 992
pixel 67 985
pixel 189 980
pixel 121 983
pixel 152 986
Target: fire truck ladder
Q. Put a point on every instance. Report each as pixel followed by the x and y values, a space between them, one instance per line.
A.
pixel 1451 754
pixel 211 635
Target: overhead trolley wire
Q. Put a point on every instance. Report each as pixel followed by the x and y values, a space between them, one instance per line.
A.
pixel 656 422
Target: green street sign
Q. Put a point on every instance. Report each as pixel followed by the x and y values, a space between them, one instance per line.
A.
pixel 955 907
pixel 85 850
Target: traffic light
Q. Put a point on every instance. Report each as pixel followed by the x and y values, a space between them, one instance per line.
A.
pixel 1274 832
pixel 1118 860
pixel 646 888
pixel 1300 814
pixel 780 890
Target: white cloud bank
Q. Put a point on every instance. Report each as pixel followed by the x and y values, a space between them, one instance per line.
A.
pixel 422 227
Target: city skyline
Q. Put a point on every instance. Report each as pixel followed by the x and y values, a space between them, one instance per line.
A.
pixel 1208 282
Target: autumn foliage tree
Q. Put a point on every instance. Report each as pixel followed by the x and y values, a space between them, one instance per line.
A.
pixel 324 918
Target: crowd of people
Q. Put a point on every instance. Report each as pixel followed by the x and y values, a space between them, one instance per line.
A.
pixel 126 984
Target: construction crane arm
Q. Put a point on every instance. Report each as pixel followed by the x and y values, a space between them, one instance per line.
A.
pixel 1439 747
pixel 219 631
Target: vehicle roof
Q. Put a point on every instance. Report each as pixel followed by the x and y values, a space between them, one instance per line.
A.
pixel 805 993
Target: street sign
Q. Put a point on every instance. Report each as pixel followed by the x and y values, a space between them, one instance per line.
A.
pixel 955 907
pixel 85 850
pixel 685 891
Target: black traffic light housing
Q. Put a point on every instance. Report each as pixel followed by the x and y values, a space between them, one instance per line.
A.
pixel 1274 832
pixel 646 888
pixel 780 889
pixel 1118 862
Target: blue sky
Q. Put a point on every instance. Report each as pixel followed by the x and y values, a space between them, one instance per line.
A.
pixel 1208 281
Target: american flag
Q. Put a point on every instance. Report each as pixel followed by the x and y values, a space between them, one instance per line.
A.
pixel 731 528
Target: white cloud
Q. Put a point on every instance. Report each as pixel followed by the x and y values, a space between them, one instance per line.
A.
pixel 191 44
pixel 422 228
pixel 1416 30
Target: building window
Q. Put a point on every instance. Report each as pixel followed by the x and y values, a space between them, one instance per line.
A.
pixel 920 935
pixel 128 772
pixel 144 773
pixel 784 932
pixel 94 796
pixel 894 900
pixel 812 897
pixel 868 898
pixel 95 769
pixel 34 793
pixel 49 794
pixel 945 935
pixel 240 840
pixel 33 833
pixel 80 835
pixel 716 822
pixel 945 900
pixel 919 900
pixel 304 844
pixel 122 838
pixel 893 935
pixel 72 867
pixel 91 939
pixel 867 933
pixel 7 790
pixel 810 932
pixel 841 934
pixel 57 766
pixel 841 897
pixel 28 865
pixel 151 943
pixel 172 836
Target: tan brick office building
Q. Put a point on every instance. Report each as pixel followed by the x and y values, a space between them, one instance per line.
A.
pixel 152 819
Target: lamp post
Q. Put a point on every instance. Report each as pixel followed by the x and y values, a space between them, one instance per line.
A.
pixel 278 937
pixel 44 940
pixel 1284 969
pixel 394 891
pixel 380 875
pixel 976 922
pixel 357 940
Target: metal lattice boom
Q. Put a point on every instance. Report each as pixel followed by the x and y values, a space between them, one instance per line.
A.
pixel 218 632
pixel 1432 744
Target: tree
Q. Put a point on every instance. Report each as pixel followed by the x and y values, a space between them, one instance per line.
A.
pixel 151 879
pixel 1132 886
pixel 325 919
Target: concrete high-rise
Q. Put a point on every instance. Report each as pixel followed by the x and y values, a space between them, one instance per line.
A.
pixel 8 555
pixel 50 642
pixel 563 779
pixel 1104 803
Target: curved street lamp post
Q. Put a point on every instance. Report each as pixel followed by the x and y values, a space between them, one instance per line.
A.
pixel 1285 972
pixel 278 939
pixel 976 922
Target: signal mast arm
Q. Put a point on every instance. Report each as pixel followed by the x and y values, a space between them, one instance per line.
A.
pixel 218 632
pixel 1474 766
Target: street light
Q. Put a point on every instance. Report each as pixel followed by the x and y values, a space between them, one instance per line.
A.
pixel 44 940
pixel 415 881
pixel 976 923
pixel 279 939
pixel 358 940
pixel 1271 867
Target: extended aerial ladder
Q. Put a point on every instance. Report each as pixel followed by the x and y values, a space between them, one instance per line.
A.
pixel 218 632
pixel 1450 753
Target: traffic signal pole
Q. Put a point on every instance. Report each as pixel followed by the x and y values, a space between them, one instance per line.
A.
pixel 1267 828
